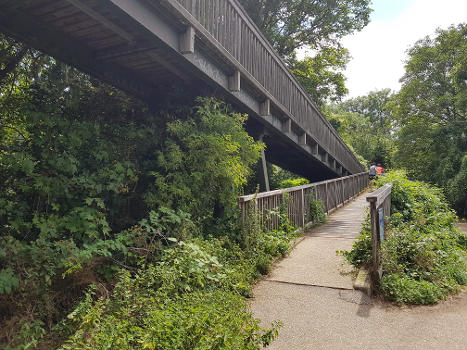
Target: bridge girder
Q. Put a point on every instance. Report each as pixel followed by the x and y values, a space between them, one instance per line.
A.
pixel 175 50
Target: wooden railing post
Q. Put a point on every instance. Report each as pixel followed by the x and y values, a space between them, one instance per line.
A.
pixel 380 211
pixel 303 207
pixel 327 198
pixel 343 194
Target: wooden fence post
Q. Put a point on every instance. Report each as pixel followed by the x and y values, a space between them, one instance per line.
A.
pixel 327 198
pixel 303 208
pixel 379 201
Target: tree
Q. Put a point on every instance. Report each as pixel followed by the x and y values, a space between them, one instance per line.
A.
pixel 372 106
pixel 364 122
pixel 430 109
pixel 322 76
pixel 291 24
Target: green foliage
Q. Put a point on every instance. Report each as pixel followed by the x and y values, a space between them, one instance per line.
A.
pixel 456 189
pixel 407 290
pixel 360 254
pixel 204 162
pixel 93 181
pixel 364 123
pixel 8 281
pixel 423 253
pixel 294 182
pixel 373 107
pixel 430 111
pixel 277 175
pixel 198 320
pixel 189 299
pixel 321 75
pixel 317 215
pixel 263 245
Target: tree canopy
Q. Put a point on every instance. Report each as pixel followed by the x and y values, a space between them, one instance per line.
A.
pixel 429 112
pixel 317 24
pixel 322 75
pixel 365 123
pixel 291 24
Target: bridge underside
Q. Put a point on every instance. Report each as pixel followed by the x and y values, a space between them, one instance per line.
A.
pixel 143 47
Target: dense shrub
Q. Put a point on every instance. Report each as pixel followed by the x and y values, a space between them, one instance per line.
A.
pixel 189 299
pixel 93 181
pixel 317 214
pixel 361 249
pixel 423 253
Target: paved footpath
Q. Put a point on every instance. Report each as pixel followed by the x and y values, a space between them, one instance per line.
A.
pixel 311 292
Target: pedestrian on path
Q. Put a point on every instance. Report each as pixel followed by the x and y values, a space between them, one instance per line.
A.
pixel 372 172
pixel 379 170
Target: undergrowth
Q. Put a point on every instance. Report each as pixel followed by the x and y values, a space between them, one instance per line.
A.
pixel 192 298
pixel 423 254
pixel 317 216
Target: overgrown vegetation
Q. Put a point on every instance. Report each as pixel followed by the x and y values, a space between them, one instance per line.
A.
pixel 99 193
pixel 317 214
pixel 294 182
pixel 190 298
pixel 424 255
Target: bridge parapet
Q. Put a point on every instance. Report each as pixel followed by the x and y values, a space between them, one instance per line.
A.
pixel 213 47
pixel 332 193
pixel 224 25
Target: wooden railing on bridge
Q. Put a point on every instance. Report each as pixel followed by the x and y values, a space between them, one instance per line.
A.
pixel 332 193
pixel 224 26
pixel 380 211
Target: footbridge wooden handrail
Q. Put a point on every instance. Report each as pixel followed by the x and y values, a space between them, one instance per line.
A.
pixel 332 193
pixel 380 211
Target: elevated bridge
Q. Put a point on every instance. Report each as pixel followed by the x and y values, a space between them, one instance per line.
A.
pixel 211 46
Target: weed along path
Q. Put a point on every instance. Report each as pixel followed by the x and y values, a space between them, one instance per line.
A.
pixel 311 292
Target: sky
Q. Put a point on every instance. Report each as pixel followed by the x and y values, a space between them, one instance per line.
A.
pixel 379 50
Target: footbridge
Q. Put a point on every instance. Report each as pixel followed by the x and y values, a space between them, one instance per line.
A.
pixel 210 46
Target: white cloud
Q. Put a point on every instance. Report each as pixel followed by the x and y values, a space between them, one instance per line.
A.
pixel 378 51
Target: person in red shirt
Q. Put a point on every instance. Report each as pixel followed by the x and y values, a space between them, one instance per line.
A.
pixel 379 169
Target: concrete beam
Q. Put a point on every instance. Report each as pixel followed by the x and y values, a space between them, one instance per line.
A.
pixel 287 126
pixel 264 166
pixel 234 81
pixel 302 139
pixel 314 149
pixel 265 108
pixel 187 41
